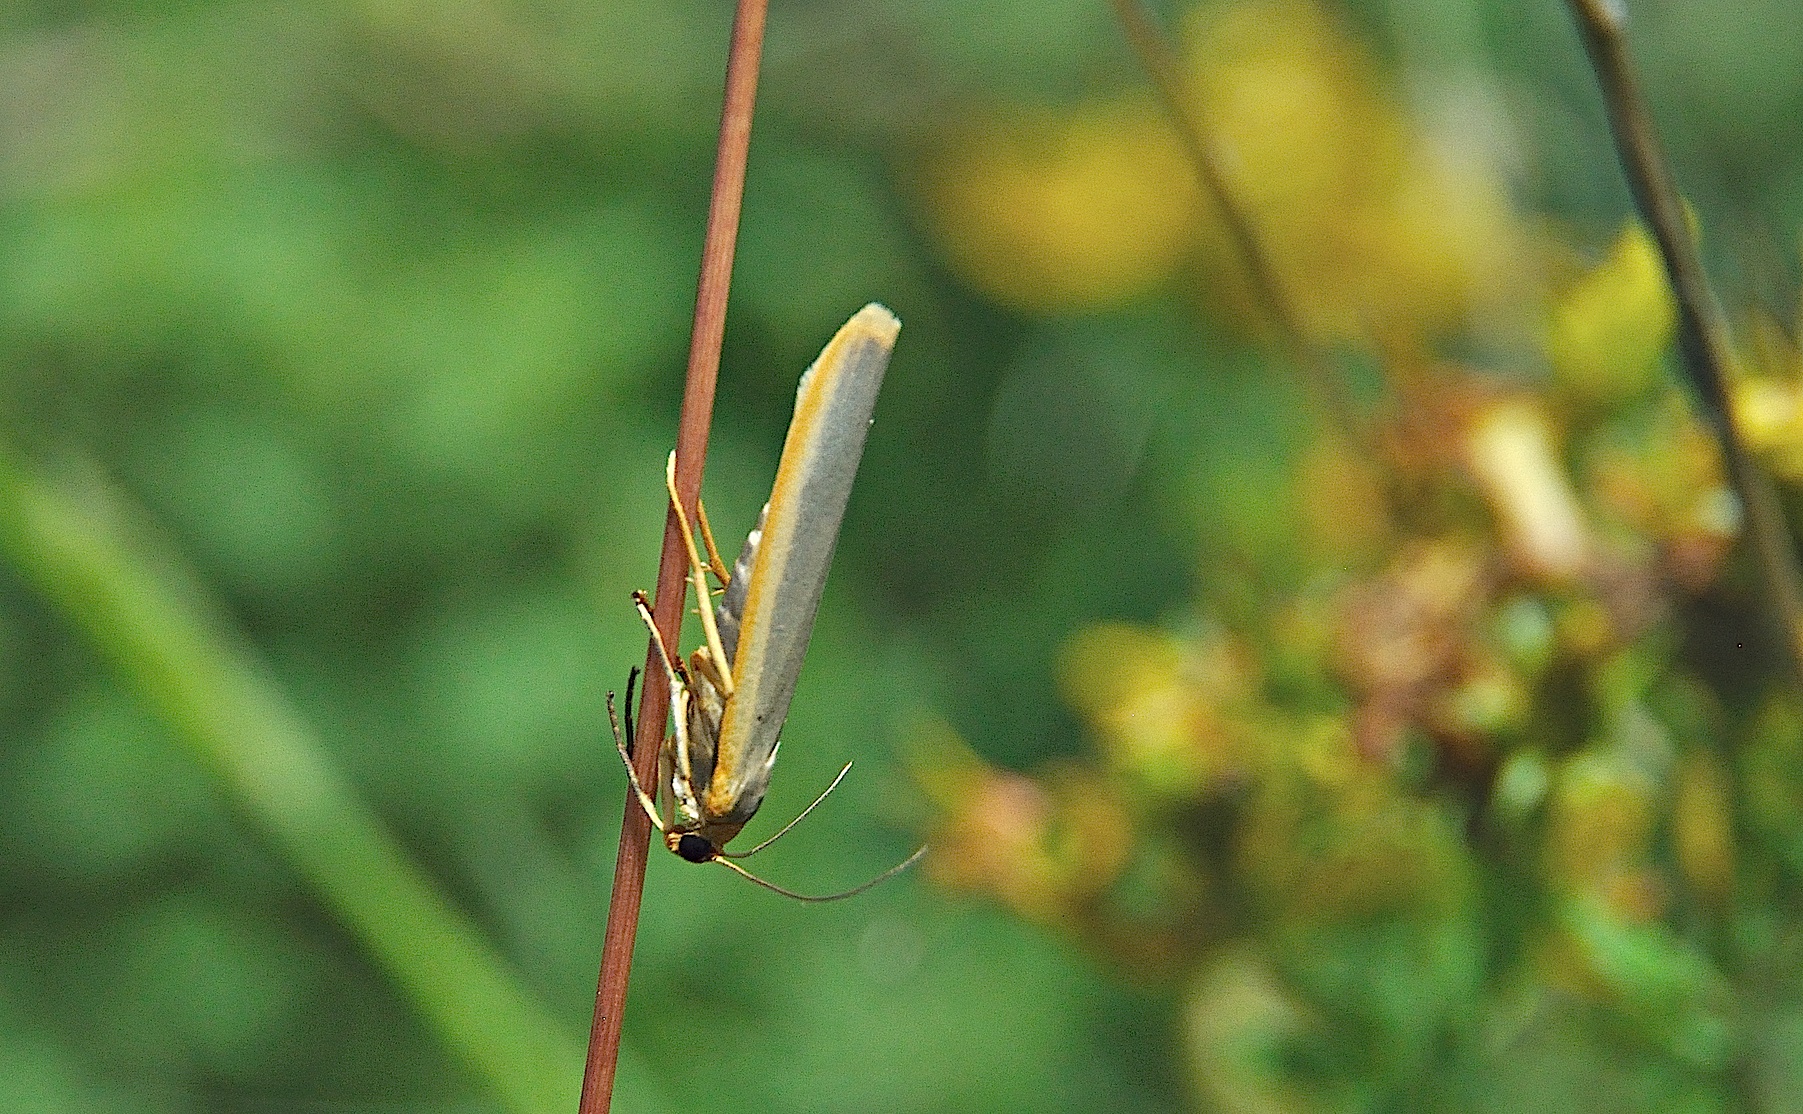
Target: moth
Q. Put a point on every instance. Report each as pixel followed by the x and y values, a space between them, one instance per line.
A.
pixel 728 701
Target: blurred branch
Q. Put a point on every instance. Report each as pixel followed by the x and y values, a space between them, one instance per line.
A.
pixel 705 339
pixel 1161 63
pixel 1702 334
pixel 95 558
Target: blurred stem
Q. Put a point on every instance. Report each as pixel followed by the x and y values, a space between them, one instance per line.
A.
pixel 1155 54
pixel 1702 334
pixel 98 561
pixel 705 338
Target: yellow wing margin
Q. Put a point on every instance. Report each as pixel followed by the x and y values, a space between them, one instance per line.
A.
pixel 800 528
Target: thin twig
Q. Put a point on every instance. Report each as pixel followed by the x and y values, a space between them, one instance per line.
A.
pixel 691 453
pixel 1155 54
pixel 1702 334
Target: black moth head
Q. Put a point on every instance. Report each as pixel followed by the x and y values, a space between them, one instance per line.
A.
pixel 695 849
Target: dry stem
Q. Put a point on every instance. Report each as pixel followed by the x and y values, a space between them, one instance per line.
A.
pixel 1702 334
pixel 691 453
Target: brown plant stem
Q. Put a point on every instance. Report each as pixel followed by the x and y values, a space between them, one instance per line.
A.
pixel 1702 333
pixel 705 341
pixel 1154 51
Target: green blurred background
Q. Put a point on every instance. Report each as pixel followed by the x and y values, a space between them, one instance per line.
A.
pixel 340 349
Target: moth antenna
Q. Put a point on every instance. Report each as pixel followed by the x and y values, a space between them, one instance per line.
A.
pixel 632 729
pixel 798 819
pixel 632 775
pixel 853 892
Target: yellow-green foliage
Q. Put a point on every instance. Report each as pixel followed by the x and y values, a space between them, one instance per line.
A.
pixel 1461 770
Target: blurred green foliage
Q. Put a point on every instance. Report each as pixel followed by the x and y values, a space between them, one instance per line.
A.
pixel 340 348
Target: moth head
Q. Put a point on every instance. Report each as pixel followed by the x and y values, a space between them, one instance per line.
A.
pixel 691 847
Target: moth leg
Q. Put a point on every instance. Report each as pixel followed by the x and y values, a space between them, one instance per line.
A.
pixel 702 662
pixel 697 572
pixel 632 775
pixel 715 564
pixel 673 667
pixel 682 783
pixel 681 786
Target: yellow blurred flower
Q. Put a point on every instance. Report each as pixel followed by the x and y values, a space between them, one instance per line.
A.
pixel 1770 415
pixel 1344 503
pixel 1667 485
pixel 1369 228
pixel 1768 398
pixel 1330 837
pixel 1607 335
pixel 1239 1020
pixel 1768 403
pixel 1054 212
pixel 1600 833
pixel 1511 451
pixel 1159 703
pixel 1046 848
pixel 1585 628
pixel 1408 638
pixel 1486 701
pixel 1406 627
